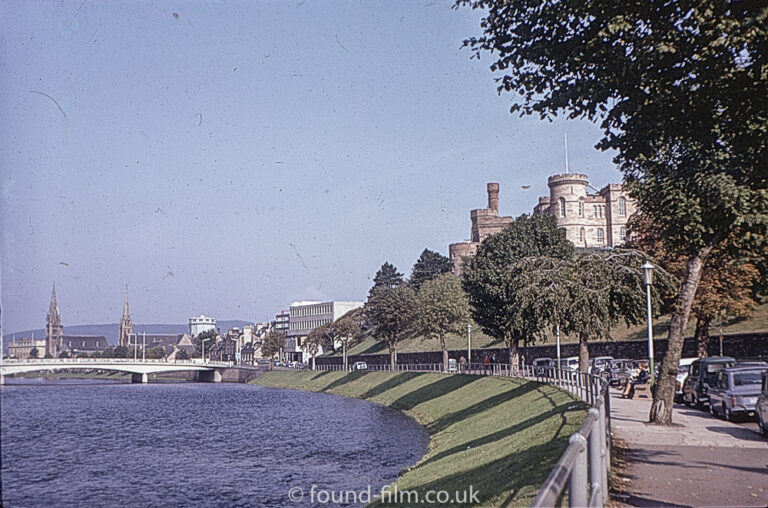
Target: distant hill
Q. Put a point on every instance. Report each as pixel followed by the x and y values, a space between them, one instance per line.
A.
pixel 111 331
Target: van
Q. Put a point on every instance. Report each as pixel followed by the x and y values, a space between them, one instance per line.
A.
pixel 702 374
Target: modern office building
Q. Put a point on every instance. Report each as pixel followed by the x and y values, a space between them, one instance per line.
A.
pixel 305 316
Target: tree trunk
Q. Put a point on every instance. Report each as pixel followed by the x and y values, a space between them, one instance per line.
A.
pixel 393 358
pixel 702 337
pixel 661 409
pixel 583 354
pixel 514 355
pixel 445 353
pixel 344 355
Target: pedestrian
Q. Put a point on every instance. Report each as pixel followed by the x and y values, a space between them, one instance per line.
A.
pixel 462 364
pixel 486 363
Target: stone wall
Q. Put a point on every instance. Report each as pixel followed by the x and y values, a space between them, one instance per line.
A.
pixel 738 345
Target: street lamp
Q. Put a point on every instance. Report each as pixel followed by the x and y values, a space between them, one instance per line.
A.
pixel 469 346
pixel 648 281
pixel 203 343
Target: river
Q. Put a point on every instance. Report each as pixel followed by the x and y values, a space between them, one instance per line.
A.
pixel 91 443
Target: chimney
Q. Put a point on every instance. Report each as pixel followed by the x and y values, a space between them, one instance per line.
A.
pixel 493 197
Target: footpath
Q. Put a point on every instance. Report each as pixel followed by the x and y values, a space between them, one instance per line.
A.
pixel 699 461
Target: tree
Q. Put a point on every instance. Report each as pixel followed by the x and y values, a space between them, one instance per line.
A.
pixel 387 276
pixel 34 353
pixel 272 344
pixel 429 265
pixel 182 355
pixel 156 353
pixel 64 354
pixel 347 330
pixel 486 278
pixel 122 352
pixel 316 338
pixel 210 335
pixel 443 309
pixel 679 89
pixel 109 352
pixel 392 311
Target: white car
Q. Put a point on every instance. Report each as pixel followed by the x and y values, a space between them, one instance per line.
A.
pixel 359 366
pixel 682 374
pixel 570 363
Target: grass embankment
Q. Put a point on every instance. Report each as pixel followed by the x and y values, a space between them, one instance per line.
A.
pixel 368 345
pixel 501 436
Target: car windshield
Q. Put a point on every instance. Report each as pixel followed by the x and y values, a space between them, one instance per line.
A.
pixel 683 369
pixel 713 369
pixel 747 378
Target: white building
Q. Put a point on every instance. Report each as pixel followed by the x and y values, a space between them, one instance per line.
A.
pixel 305 316
pixel 200 324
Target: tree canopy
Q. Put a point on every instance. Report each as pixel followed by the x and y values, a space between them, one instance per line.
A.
pixel 391 311
pixel 429 265
pixel 679 91
pixel 486 278
pixel 443 309
pixel 387 276
pixel 272 344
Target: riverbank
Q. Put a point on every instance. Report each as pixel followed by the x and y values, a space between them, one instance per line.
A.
pixel 501 436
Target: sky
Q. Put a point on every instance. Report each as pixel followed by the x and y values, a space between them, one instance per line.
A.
pixel 228 158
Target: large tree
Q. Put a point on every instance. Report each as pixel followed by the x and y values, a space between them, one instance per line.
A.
pixel 486 278
pixel 443 309
pixel 272 344
pixel 387 276
pixel 316 339
pixel 429 265
pixel 391 311
pixel 679 89
pixel 346 330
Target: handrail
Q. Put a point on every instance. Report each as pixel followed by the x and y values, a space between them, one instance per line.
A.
pixel 585 463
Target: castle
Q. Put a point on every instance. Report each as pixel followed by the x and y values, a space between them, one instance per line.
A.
pixel 589 220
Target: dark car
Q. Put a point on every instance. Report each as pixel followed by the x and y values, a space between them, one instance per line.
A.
pixel 701 375
pixel 735 392
pixel 617 372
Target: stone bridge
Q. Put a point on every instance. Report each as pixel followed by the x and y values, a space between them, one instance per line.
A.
pixel 139 369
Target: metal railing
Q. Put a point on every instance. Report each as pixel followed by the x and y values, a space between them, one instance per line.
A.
pixel 585 463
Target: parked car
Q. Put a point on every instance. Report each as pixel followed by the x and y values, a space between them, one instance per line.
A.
pixel 761 408
pixel 359 366
pixel 598 363
pixel 701 375
pixel 682 373
pixel 570 363
pixel 618 372
pixel 735 393
pixel 542 365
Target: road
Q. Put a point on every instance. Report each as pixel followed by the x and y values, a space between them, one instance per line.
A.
pixel 699 461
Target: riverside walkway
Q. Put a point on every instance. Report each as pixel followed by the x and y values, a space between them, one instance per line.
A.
pixel 699 461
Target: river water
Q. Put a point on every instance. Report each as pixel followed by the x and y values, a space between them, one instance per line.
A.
pixel 90 443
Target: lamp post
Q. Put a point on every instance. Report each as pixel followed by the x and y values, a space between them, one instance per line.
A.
pixel 469 346
pixel 203 343
pixel 648 281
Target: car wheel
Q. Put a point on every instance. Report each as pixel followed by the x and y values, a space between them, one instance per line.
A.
pixel 712 410
pixel 727 414
pixel 699 405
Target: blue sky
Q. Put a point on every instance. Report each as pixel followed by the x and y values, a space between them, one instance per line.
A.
pixel 228 158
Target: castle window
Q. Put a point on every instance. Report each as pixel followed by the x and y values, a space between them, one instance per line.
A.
pixel 581 235
pixel 600 236
pixel 622 208
pixel 562 207
pixel 581 208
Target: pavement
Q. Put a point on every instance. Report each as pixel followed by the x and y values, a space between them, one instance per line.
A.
pixel 698 461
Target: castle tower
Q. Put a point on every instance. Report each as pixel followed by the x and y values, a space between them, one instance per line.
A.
pixel 54 332
pixel 493 197
pixel 126 326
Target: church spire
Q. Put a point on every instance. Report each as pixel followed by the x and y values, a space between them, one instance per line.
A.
pixel 54 332
pixel 126 326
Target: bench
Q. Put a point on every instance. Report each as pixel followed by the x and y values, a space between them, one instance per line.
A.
pixel 642 390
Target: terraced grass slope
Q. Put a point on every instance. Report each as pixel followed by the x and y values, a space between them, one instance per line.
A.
pixel 500 436
pixel 758 322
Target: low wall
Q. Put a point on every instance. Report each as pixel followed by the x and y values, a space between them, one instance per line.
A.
pixel 738 345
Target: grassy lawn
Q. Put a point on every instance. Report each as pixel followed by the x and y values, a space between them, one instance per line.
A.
pixel 501 436
pixel 368 345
